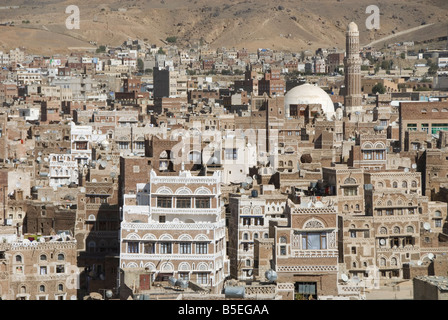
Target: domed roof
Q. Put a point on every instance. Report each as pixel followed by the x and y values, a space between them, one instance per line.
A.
pixel 352 27
pixel 310 94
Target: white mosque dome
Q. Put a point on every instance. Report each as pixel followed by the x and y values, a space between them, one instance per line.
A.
pixel 310 94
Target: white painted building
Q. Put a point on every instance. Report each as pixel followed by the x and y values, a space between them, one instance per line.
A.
pixel 175 227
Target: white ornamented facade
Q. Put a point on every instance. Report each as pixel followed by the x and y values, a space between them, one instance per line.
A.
pixel 63 170
pixel 174 227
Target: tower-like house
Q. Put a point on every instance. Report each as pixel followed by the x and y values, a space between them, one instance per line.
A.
pixel 174 227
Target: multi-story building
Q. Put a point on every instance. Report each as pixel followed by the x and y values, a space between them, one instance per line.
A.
pixel 347 185
pixel 174 227
pixel 248 221
pixel 35 267
pixel 399 211
pixel 428 117
pixel 303 251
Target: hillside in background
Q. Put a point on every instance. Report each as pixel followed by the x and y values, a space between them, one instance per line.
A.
pixel 293 25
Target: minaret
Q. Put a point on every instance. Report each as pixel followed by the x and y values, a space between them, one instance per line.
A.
pixel 352 63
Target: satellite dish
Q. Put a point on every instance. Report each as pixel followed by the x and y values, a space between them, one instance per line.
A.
pixel 426 226
pixel 109 294
pixel 430 256
pixel 42 199
pixel 355 279
pixel 271 275
pixel 414 166
pixel 319 204
pixel 382 242
pixel 249 180
pixel 419 262
pixel 344 277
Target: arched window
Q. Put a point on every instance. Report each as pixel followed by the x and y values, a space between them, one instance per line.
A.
pixel 414 184
pixel 410 229
pixel 61 257
pixel 395 184
pixel 350 181
pixel 245 236
pixel 396 230
pixel 41 288
pixel 404 184
pixel 18 258
pixel 438 213
pixel 383 230
pixel 60 287
pixel 382 262
pixel 393 261
pixel 43 257
pixel 266 235
pixel 282 239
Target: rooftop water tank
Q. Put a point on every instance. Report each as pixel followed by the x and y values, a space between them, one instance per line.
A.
pixel 234 292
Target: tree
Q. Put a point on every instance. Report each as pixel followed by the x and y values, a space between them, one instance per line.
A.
pixel 379 88
pixel 161 51
pixel 386 64
pixel 171 39
pixel 433 68
pixel 101 49
pixel 140 65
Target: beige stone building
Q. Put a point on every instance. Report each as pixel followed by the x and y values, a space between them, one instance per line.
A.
pixel 38 267
pixel 303 252
pixel 250 214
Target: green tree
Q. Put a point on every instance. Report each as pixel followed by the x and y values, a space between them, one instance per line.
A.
pixel 386 64
pixel 379 88
pixel 171 39
pixel 433 68
pixel 101 49
pixel 140 65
